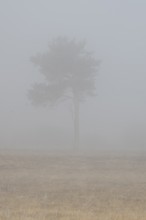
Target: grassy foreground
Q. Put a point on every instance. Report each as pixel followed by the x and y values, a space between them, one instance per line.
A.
pixel 49 187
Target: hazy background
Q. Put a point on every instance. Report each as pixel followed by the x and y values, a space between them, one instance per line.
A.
pixel 116 31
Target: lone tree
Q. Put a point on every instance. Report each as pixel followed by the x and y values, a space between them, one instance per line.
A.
pixel 70 72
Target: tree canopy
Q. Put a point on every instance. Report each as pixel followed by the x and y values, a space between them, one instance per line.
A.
pixel 69 71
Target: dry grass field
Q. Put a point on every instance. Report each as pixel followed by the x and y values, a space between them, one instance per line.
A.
pixel 48 187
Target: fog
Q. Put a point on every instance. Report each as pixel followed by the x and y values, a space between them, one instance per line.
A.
pixel 115 31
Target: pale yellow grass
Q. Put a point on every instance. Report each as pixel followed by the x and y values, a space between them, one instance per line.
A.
pixel 44 187
pixel 29 210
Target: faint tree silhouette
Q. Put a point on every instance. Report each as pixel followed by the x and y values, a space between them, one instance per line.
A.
pixel 70 72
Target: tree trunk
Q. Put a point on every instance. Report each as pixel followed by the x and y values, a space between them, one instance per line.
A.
pixel 76 124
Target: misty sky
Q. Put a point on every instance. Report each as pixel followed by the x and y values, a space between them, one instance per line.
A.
pixel 115 30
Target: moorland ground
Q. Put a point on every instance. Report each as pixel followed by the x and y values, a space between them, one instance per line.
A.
pixel 43 186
